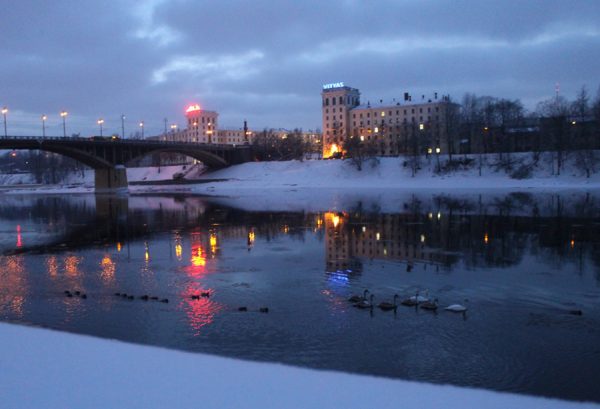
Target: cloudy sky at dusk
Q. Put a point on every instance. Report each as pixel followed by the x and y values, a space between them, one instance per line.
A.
pixel 266 61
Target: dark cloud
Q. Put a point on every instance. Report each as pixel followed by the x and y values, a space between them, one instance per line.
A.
pixel 265 61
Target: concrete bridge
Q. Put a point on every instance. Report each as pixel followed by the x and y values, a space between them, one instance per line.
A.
pixel 108 156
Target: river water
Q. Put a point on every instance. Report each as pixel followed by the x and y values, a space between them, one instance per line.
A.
pixel 526 266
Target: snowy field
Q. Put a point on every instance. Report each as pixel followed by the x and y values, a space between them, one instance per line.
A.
pixel 48 369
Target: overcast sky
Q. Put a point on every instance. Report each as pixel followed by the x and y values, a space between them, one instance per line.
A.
pixel 266 61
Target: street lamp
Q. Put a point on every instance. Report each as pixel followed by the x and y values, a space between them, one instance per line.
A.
pixel 44 117
pixel 142 127
pixel 100 122
pixel 4 112
pixel 64 114
pixel 123 126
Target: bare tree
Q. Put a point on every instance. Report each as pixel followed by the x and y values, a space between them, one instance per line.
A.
pixel 359 151
pixel 554 114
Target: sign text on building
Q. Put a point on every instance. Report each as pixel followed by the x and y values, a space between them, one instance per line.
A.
pixel 333 85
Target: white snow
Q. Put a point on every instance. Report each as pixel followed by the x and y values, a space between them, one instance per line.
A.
pixel 253 178
pixel 48 369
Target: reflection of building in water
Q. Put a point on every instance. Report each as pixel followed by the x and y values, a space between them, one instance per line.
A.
pixel 404 237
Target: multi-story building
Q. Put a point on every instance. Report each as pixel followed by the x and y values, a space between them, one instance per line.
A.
pixel 201 124
pixel 391 129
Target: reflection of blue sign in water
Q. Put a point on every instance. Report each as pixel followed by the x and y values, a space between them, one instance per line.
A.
pixel 333 85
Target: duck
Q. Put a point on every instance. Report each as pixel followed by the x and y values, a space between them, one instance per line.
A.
pixel 364 304
pixel 118 294
pixel 358 298
pixel 388 306
pixel 84 296
pixel 195 297
pixel 131 297
pixel 264 309
pixel 165 300
pixel 68 294
pixel 205 294
pixel 155 298
pixel 242 308
pixel 145 297
pixel 430 305
pixel 456 308
pixel 77 293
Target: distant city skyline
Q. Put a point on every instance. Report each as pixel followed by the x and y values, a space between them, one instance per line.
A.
pixel 266 61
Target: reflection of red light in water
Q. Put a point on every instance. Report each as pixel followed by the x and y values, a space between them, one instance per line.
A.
pixel 200 312
pixel 19 239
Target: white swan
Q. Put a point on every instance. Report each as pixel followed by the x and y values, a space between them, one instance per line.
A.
pixel 456 308
pixel 419 298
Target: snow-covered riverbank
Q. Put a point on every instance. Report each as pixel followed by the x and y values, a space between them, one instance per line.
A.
pixel 303 179
pixel 48 369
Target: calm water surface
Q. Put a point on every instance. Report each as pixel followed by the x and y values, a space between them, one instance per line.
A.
pixel 525 264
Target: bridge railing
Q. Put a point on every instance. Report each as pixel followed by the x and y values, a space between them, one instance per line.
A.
pixel 124 141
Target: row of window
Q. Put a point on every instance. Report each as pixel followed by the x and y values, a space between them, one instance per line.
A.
pixel 350 100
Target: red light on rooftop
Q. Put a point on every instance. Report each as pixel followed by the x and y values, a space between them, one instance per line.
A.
pixel 192 108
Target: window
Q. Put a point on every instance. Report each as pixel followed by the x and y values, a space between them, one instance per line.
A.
pixel 341 100
pixel 326 101
pixel 420 110
pixel 332 101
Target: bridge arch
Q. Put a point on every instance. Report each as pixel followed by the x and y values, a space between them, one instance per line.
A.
pixel 209 159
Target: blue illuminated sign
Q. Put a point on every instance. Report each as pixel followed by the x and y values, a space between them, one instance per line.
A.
pixel 333 85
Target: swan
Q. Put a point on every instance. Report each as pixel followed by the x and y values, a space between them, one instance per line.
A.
pixel 410 301
pixel 365 304
pixel 430 305
pixel 456 308
pixel 387 306
pixel 358 298
pixel 419 298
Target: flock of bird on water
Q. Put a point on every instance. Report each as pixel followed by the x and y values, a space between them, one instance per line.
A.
pixel 417 301
pixel 146 297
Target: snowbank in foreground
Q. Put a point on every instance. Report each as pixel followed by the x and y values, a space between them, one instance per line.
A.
pixel 48 369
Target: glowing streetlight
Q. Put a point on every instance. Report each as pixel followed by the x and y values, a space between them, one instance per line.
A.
pixel 4 112
pixel 63 115
pixel 44 117
pixel 142 128
pixel 100 122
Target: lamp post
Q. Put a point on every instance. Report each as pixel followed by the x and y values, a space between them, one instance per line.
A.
pixel 64 114
pixel 123 126
pixel 142 128
pixel 4 112
pixel 44 117
pixel 100 122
